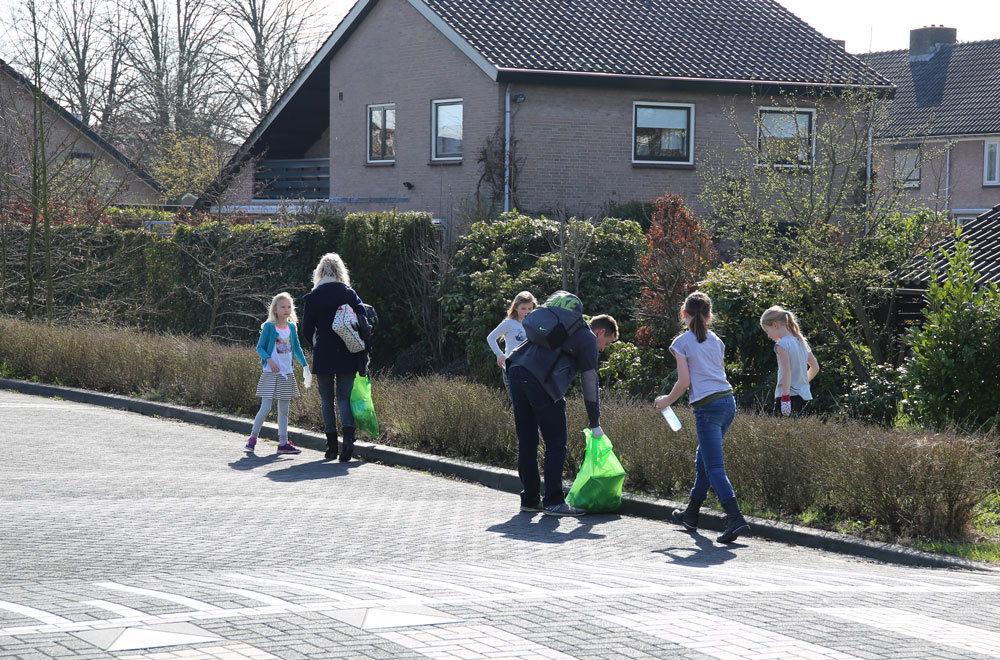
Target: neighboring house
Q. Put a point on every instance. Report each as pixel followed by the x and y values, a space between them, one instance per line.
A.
pixel 983 234
pixel 552 106
pixel 79 159
pixel 944 135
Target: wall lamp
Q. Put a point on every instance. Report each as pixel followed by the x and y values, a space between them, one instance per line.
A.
pixel 409 186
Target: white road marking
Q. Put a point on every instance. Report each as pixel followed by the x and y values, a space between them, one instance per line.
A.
pixel 477 642
pixel 161 595
pixel 263 598
pixel 117 608
pixel 409 578
pixel 31 612
pixel 298 586
pixel 938 631
pixel 722 638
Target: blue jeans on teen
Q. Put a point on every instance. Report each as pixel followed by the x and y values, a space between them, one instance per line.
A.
pixel 334 394
pixel 711 422
pixel 535 411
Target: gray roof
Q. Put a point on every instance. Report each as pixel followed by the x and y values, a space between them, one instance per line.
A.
pixel 707 40
pixel 983 233
pixel 71 119
pixel 955 92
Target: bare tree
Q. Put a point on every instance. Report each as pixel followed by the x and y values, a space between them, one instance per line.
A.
pixel 268 43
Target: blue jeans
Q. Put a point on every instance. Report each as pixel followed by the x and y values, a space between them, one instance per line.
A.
pixel 334 393
pixel 535 411
pixel 712 421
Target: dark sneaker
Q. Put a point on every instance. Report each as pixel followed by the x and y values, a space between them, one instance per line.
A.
pixel 288 448
pixel 330 454
pixel 531 508
pixel 250 445
pixel 733 531
pixel 563 510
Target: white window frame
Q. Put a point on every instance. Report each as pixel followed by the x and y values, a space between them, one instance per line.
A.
pixel 368 131
pixel 690 107
pixel 812 134
pixel 991 178
pixel 435 104
pixel 911 179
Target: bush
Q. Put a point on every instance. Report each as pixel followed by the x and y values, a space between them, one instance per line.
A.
pixel 740 292
pixel 515 253
pixel 838 475
pixel 951 372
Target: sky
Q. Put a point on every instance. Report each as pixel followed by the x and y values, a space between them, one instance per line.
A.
pixel 866 25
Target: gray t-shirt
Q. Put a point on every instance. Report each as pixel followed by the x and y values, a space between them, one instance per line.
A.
pixel 798 356
pixel 708 376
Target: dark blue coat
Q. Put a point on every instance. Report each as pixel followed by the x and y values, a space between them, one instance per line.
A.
pixel 330 354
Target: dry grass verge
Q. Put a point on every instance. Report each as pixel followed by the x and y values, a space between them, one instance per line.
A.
pixel 847 476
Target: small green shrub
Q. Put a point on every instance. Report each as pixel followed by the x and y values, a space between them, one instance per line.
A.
pixel 951 373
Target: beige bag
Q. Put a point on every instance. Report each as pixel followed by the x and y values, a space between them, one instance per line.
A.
pixel 345 324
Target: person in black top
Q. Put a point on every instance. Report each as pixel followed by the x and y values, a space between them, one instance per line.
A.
pixel 333 365
pixel 538 380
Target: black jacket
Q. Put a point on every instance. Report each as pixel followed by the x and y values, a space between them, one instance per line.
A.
pixel 330 354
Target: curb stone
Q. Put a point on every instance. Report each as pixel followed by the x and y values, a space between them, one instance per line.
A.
pixel 503 479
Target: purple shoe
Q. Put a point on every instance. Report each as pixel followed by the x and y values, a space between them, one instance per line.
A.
pixel 251 445
pixel 288 448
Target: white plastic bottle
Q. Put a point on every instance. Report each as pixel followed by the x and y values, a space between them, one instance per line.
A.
pixel 672 420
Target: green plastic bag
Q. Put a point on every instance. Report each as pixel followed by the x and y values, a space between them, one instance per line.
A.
pixel 598 487
pixel 362 407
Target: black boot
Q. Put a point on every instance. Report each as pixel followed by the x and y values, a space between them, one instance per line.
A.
pixel 737 523
pixel 689 517
pixel 348 450
pixel 331 445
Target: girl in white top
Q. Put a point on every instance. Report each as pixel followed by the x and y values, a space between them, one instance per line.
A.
pixel 796 364
pixel 512 331
pixel 510 328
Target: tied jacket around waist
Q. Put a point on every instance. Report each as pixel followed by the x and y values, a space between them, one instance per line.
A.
pixel 330 354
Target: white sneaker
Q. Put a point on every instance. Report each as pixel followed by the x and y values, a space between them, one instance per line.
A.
pixel 563 510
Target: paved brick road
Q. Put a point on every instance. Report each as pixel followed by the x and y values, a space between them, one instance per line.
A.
pixel 123 536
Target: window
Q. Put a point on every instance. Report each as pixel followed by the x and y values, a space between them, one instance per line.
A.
pixel 81 155
pixel 906 167
pixel 447 122
pixel 785 137
pixel 991 164
pixel 382 133
pixel 662 133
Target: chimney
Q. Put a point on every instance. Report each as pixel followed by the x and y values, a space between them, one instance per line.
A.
pixel 926 41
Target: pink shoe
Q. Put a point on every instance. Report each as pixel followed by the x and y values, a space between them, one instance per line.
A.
pixel 288 448
pixel 251 445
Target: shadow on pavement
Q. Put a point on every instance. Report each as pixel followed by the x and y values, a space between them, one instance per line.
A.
pixel 251 461
pixel 705 552
pixel 300 471
pixel 539 528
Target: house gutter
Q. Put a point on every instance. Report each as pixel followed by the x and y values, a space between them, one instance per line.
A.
pixel 947 174
pixel 506 151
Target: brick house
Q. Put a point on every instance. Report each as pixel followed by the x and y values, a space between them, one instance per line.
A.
pixel 555 107
pixel 76 153
pixel 944 135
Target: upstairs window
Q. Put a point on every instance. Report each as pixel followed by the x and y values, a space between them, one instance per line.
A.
pixel 382 133
pixel 662 133
pixel 785 137
pixel 906 167
pixel 991 164
pixel 447 123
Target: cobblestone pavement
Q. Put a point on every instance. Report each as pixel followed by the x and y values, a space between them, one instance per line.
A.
pixel 123 536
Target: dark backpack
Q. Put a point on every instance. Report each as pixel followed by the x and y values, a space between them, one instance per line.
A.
pixel 553 323
pixel 372 316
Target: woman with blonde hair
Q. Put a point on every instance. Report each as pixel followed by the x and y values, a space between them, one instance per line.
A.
pixel 333 364
pixel 797 365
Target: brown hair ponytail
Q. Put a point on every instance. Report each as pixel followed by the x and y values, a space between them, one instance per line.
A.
pixel 699 310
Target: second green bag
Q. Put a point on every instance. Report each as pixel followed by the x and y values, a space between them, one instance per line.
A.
pixel 362 407
pixel 598 487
